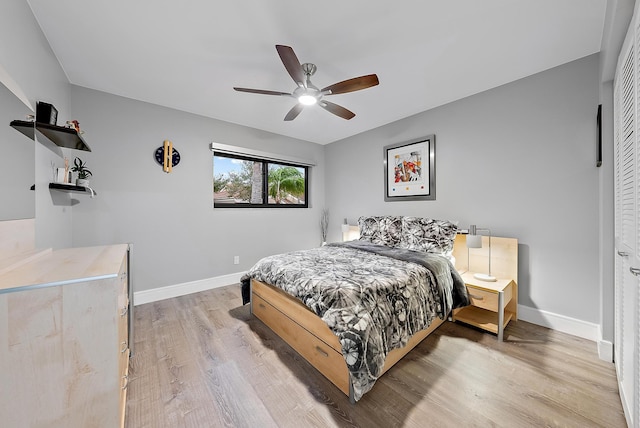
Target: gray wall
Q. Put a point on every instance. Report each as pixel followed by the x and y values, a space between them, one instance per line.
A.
pixel 518 159
pixel 177 235
pixel 17 164
pixel 536 181
pixel 26 56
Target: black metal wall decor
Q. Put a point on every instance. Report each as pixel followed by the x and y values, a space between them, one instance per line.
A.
pixel 599 137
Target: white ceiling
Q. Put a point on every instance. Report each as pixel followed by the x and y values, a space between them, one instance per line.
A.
pixel 189 54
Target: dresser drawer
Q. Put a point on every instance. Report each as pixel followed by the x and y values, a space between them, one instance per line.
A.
pixel 488 299
pixel 124 385
pixel 123 276
pixel 317 352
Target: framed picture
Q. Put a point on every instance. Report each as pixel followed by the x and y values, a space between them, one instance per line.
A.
pixel 410 170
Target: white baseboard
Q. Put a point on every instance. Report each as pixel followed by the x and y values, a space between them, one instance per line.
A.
pixel 161 293
pixel 605 350
pixel 557 322
pixel 561 323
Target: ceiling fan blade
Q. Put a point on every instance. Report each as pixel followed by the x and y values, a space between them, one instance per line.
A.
pixel 261 91
pixel 337 110
pixel 292 64
pixel 355 84
pixel 294 112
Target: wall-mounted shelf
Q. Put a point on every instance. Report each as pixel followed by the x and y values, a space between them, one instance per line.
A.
pixel 25 127
pixel 59 135
pixel 72 188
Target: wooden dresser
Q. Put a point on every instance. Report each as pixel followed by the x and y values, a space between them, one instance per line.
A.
pixel 64 339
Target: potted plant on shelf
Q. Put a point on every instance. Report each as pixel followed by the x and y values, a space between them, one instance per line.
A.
pixel 83 173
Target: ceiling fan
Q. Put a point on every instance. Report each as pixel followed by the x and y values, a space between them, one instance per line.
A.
pixel 306 93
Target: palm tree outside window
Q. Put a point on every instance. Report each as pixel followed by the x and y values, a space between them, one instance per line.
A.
pixel 240 181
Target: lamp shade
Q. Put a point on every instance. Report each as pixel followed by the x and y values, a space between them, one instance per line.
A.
pixel 474 241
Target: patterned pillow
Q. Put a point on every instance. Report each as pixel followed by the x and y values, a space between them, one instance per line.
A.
pixel 428 235
pixel 381 230
pixel 369 228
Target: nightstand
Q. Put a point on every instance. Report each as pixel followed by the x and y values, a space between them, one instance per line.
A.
pixel 493 304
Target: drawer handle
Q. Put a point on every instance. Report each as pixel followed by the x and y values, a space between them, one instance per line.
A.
pixel 124 347
pixel 126 382
pixel 262 305
pixel 634 271
pixel 476 297
pixel 124 311
pixel 623 254
pixel 322 351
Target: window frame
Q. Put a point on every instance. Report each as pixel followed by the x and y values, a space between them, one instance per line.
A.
pixel 265 181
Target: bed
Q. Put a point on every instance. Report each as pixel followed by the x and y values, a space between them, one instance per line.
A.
pixel 354 309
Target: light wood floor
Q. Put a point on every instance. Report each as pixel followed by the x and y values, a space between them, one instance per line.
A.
pixel 203 361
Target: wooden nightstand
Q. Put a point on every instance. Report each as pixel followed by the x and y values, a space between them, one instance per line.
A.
pixel 493 304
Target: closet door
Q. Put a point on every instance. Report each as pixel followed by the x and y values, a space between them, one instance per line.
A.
pixel 627 219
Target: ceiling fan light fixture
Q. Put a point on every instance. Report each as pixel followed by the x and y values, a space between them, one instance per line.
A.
pixel 307 99
pixel 306 93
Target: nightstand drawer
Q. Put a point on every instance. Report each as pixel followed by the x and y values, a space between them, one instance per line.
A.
pixel 487 299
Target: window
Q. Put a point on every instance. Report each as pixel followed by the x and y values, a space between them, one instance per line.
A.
pixel 243 181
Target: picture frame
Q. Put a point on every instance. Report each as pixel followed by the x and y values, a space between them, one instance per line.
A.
pixel 410 170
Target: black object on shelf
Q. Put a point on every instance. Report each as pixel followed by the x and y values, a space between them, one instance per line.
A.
pixel 72 188
pixel 46 113
pixel 59 135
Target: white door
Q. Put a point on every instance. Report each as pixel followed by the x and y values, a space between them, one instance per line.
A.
pixel 627 219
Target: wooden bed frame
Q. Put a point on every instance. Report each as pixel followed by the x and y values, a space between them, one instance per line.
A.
pixel 305 332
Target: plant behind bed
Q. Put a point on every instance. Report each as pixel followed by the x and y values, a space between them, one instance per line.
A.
pixel 324 225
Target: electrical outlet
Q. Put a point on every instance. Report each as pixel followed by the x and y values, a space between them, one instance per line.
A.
pixel 236 260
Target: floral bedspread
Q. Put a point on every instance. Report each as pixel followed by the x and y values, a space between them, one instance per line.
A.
pixel 374 298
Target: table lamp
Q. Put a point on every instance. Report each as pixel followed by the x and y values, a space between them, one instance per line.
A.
pixel 475 241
